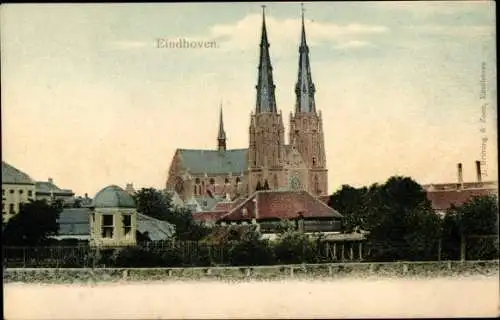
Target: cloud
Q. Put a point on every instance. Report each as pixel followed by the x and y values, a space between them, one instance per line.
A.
pixel 285 33
pixel 353 44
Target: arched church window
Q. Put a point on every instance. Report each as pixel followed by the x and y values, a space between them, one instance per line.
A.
pixel 316 184
pixel 197 181
pixel 238 180
pixel 212 181
pixel 314 161
pixel 179 185
pixel 226 181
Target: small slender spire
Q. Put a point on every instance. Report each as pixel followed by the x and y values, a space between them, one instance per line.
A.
pixel 266 101
pixel 221 136
pixel 304 89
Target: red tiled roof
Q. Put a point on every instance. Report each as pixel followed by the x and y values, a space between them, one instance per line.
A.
pixel 224 206
pixel 280 205
pixel 442 200
pixel 205 216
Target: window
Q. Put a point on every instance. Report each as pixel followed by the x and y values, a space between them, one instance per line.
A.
pixel 195 189
pixel 226 181
pixel 314 161
pixel 30 193
pixel 212 181
pixel 11 191
pixel 11 208
pixel 238 180
pixel 107 226
pixel 21 191
pixel 127 224
pixel 316 185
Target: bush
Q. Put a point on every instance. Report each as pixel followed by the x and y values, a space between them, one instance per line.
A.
pixel 251 251
pixel 294 247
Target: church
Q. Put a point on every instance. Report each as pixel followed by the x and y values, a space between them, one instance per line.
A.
pixel 268 163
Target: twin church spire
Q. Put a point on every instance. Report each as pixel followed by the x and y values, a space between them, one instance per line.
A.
pixel 266 100
pixel 304 89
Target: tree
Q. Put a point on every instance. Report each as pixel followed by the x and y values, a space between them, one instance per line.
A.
pixel 350 202
pixel 33 225
pixel 295 247
pixel 476 223
pixel 251 250
pixel 403 225
pixel 397 214
pixel 157 204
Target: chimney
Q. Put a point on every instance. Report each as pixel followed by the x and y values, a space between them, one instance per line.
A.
pixel 51 180
pixel 478 171
pixel 460 175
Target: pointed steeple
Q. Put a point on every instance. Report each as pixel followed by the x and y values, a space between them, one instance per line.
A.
pixel 221 136
pixel 304 89
pixel 266 101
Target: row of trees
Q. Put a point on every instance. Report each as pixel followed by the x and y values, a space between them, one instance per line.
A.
pixel 401 223
pixel 399 215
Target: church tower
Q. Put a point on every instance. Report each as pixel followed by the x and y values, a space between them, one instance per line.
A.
pixel 221 136
pixel 306 125
pixel 266 132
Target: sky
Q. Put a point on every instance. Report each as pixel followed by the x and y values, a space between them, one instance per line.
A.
pixel 90 99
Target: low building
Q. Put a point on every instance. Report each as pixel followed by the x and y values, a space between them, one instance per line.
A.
pixel 111 220
pixel 47 190
pixel 269 208
pixel 443 195
pixel 17 188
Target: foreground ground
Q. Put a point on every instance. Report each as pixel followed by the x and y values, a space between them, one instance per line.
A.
pixel 476 296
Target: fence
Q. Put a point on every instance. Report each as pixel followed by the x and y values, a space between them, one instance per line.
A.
pixel 198 254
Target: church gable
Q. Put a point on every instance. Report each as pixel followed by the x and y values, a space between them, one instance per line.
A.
pixel 294 159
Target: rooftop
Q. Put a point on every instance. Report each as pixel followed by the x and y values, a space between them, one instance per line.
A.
pixel 14 176
pixel 113 197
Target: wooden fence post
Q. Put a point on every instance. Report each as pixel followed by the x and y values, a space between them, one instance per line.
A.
pixel 462 248
pixel 439 248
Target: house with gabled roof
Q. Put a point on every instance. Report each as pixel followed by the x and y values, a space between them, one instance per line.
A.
pixel 17 188
pixel 269 208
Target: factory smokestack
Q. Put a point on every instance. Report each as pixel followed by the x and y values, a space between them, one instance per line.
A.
pixel 478 171
pixel 460 175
